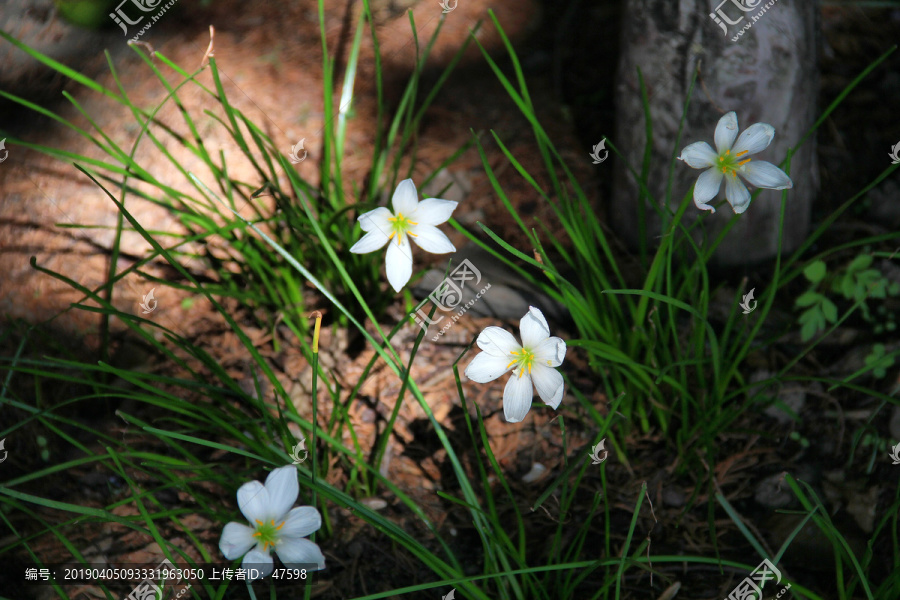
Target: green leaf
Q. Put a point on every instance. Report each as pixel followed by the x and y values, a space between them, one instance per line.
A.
pixel 847 287
pixel 879 289
pixel 829 310
pixel 809 298
pixel 808 315
pixel 820 318
pixel 808 330
pixel 860 262
pixel 815 272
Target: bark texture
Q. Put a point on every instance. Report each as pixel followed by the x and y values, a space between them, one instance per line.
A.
pixel 769 73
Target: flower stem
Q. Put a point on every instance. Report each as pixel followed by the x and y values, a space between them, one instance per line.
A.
pixel 307 590
pixel 315 397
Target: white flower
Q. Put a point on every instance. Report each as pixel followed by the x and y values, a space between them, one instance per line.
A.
pixel 274 525
pixel 534 360
pixel 728 161
pixel 416 220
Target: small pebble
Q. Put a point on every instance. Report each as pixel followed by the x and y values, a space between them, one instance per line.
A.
pixel 374 503
pixel 537 471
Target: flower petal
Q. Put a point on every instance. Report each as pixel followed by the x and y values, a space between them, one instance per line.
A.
pixel 497 342
pixel 406 198
pixel 431 239
pixel 764 174
pixel 376 220
pixel 253 500
pixel 258 564
pixel 302 521
pixel 517 397
pixel 755 138
pixel 707 188
pixel 485 368
pixel 283 490
pixel 726 131
pixel 699 155
pixel 299 553
pixel 736 193
pixel 549 384
pixel 550 352
pixel 533 328
pixel 434 211
pixel 236 540
pixel 398 262
pixel 370 242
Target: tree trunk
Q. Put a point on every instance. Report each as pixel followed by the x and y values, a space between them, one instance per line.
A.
pixel 765 69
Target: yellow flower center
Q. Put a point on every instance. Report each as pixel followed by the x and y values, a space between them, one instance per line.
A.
pixel 268 533
pixel 400 225
pixel 524 358
pixel 729 164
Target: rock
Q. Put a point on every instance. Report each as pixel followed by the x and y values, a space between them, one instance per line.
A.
pixel 37 23
pixel 791 395
pixel 503 293
pixel 460 185
pixel 894 426
pixel 673 497
pixel 374 503
pixel 773 492
pixel 883 206
pixel 537 471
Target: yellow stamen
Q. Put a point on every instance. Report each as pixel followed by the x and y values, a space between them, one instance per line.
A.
pixel 744 162
pixel 742 152
pixel 400 226
pixel 266 532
